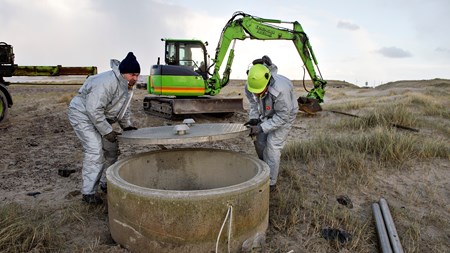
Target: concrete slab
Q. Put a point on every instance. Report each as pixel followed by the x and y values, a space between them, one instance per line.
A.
pixel 195 134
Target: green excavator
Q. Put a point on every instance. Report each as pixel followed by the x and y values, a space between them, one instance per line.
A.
pixel 188 84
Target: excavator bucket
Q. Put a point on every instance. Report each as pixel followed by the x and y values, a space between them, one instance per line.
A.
pixel 309 105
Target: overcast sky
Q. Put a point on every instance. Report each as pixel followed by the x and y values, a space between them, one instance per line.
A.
pixel 374 41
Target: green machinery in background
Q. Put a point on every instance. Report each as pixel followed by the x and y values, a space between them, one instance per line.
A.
pixel 187 83
pixel 8 68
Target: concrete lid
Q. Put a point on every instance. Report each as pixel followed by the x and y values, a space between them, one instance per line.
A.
pixel 195 134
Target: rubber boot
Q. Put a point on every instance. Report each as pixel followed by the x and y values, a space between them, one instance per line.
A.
pixel 104 187
pixel 92 199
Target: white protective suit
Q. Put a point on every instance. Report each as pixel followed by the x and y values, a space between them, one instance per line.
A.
pixel 98 104
pixel 277 111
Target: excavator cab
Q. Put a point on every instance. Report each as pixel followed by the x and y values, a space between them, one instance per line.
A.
pixel 190 54
pixel 180 76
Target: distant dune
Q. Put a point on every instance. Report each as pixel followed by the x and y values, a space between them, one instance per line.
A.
pixel 439 83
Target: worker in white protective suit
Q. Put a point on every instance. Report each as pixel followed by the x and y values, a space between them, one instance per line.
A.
pixel 101 101
pixel 273 109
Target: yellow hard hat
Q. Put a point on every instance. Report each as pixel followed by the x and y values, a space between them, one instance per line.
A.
pixel 258 78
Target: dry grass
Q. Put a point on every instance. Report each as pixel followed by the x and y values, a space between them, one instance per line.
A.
pixel 27 230
pixel 344 156
pixel 36 230
pixel 341 157
pixel 381 146
pixel 66 98
pixel 354 104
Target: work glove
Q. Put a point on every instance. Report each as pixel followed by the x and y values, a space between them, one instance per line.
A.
pixel 112 136
pixel 129 128
pixel 255 130
pixel 252 122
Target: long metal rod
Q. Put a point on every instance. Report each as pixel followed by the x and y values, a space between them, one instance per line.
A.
pixel 392 124
pixel 385 246
pixel 390 226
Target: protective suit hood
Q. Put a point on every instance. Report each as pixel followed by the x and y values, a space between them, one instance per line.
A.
pixel 114 64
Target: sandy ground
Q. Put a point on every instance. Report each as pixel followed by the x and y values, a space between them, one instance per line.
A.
pixel 37 140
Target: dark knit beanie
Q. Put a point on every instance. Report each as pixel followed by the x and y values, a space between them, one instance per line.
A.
pixel 130 64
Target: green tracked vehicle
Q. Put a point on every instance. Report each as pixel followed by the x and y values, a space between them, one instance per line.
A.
pixel 188 84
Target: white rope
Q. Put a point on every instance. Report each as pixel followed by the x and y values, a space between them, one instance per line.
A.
pixel 229 213
pixel 229 228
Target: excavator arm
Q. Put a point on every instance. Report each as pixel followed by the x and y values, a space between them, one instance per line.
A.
pixel 247 26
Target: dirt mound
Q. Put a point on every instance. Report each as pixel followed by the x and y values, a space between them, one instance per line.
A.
pixel 438 83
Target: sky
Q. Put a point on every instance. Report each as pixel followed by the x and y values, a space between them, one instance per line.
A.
pixel 367 42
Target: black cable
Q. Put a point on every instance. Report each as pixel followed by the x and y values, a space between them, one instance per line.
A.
pixel 304 73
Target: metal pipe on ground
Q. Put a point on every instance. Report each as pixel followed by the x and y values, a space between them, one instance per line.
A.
pixel 392 124
pixel 390 226
pixel 385 245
